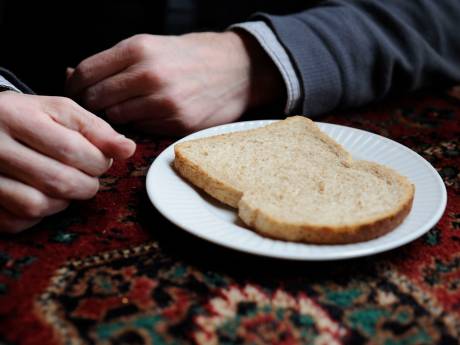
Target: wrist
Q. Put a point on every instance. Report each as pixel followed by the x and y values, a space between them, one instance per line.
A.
pixel 266 86
pixel 7 92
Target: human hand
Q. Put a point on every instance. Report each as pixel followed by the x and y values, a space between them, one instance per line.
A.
pixel 51 152
pixel 177 84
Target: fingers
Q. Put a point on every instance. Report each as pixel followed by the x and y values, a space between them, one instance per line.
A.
pixel 120 87
pixel 51 151
pixel 96 68
pixel 132 110
pixel 26 202
pixel 61 143
pixel 45 174
pixel 11 224
pixel 96 130
pixel 153 114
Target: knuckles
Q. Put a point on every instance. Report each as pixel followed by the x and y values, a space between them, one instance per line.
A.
pixel 187 124
pixel 63 185
pixel 59 184
pixel 36 206
pixel 82 72
pixel 90 99
pixel 138 46
pixel 69 148
pixel 62 102
pixel 39 206
pixel 70 153
pixel 180 115
pixel 149 78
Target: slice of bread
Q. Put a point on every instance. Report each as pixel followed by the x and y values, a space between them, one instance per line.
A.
pixel 290 181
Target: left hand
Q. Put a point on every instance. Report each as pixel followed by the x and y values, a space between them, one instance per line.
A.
pixel 177 84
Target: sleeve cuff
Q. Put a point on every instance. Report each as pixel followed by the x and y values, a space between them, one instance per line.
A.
pixel 270 43
pixel 6 85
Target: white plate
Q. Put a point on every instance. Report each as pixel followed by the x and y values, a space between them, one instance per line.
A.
pixel 202 216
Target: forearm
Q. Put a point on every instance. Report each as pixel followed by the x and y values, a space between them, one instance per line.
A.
pixel 348 53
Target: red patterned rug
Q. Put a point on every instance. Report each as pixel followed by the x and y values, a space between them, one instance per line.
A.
pixel 113 271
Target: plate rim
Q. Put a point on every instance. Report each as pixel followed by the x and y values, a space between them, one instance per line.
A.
pixel 356 253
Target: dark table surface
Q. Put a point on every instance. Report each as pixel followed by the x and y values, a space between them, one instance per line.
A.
pixel 112 270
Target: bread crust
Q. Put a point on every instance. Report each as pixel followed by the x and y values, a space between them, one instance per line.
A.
pixel 200 178
pixel 269 226
pixel 369 229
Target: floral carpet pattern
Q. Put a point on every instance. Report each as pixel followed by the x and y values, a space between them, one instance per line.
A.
pixel 111 270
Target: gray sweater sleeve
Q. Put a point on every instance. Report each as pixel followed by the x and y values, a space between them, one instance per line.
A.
pixel 6 85
pixel 273 48
pixel 350 52
pixel 9 81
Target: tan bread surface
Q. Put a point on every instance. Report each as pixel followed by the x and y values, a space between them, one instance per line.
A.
pixel 291 181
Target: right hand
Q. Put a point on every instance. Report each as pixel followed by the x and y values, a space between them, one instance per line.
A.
pixel 178 84
pixel 51 152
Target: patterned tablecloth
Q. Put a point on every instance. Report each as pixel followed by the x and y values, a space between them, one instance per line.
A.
pixel 113 271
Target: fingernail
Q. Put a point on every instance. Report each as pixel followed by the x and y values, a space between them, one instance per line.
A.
pixel 128 146
pixel 110 162
pixel 121 137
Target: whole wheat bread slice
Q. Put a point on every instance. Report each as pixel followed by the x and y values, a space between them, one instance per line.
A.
pixel 290 181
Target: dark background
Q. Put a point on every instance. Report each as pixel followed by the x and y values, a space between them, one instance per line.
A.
pixel 40 39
